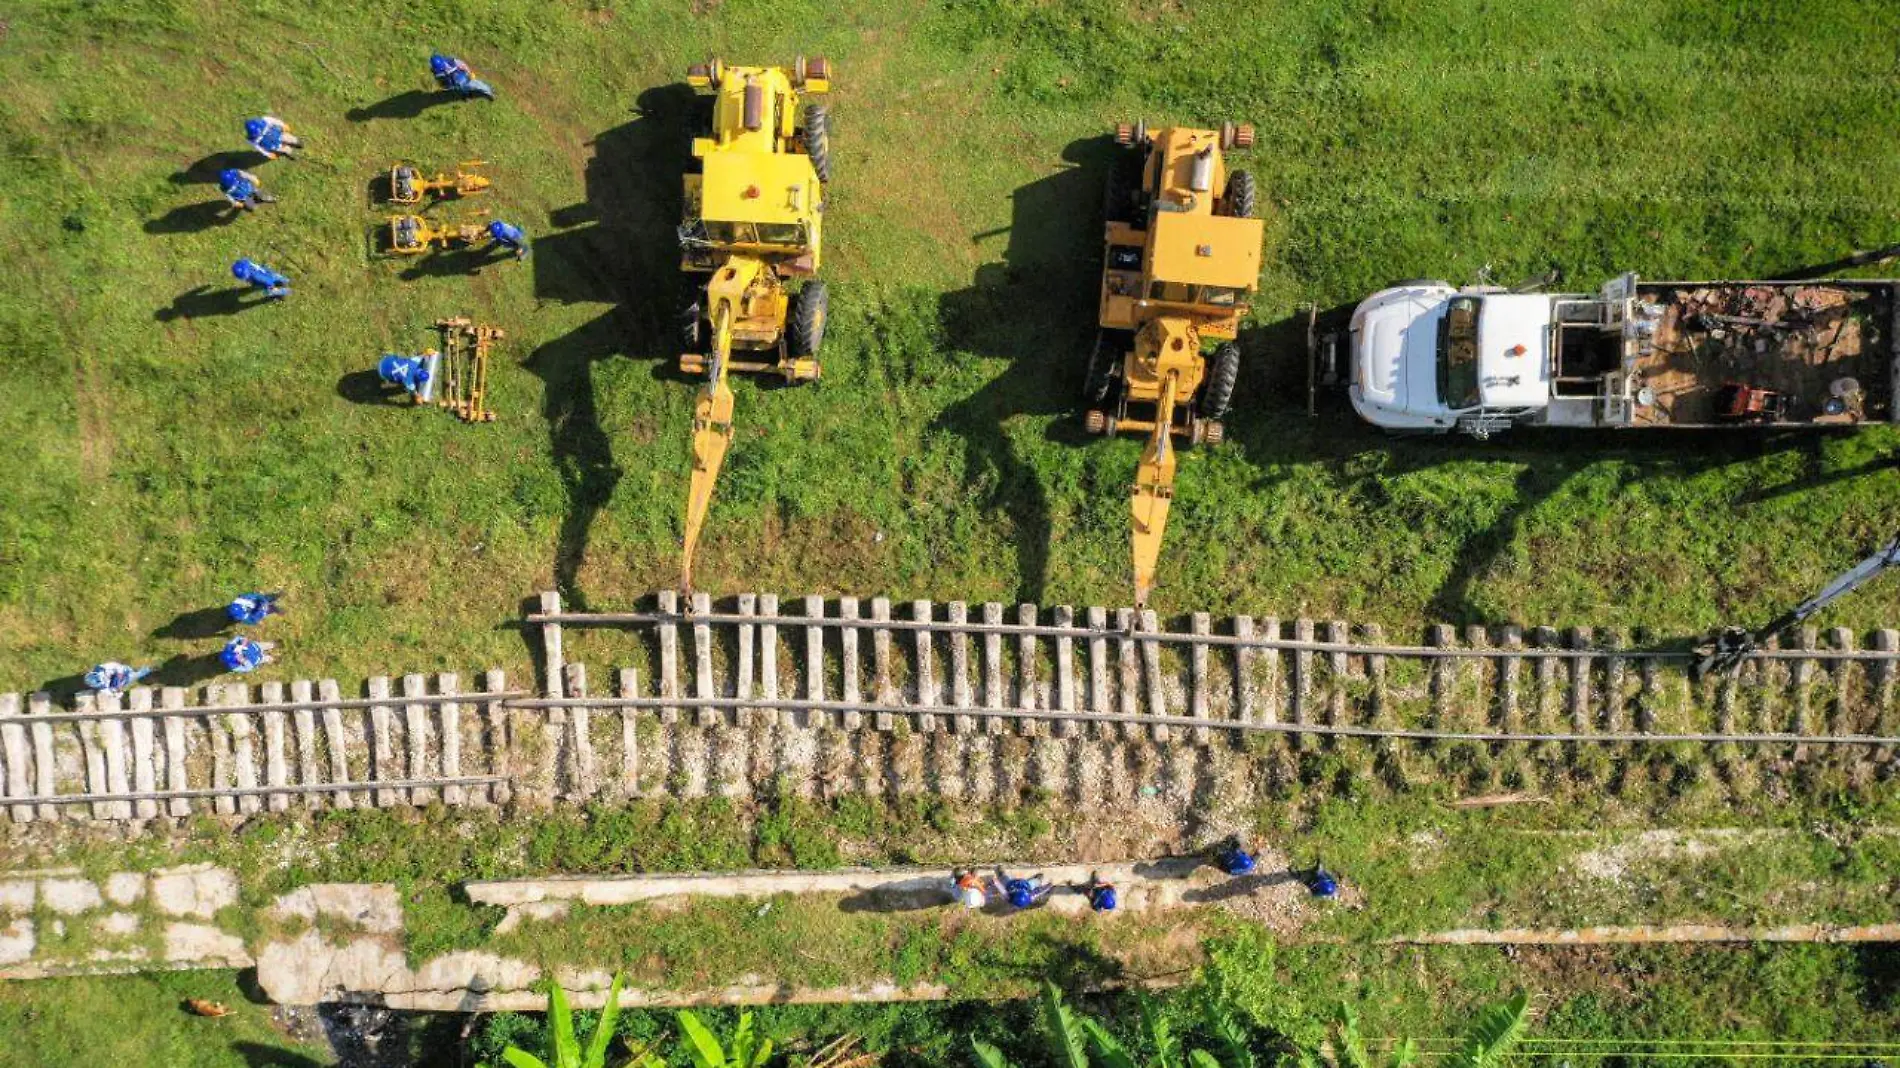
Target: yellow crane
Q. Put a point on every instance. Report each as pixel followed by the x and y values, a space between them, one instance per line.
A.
pixel 752 226
pixel 1181 254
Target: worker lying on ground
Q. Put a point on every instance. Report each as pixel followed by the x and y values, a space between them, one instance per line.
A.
pixel 1233 859
pixel 453 75
pixel 1022 893
pixel 409 373
pixel 966 887
pixel 1101 893
pixel 509 237
pixel 251 609
pixel 244 656
pixel 241 189
pixel 274 285
pixel 269 135
pixel 114 677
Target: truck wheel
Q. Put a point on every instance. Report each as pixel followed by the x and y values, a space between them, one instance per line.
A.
pixel 818 140
pixel 1242 199
pixel 1104 360
pixel 808 319
pixel 1223 372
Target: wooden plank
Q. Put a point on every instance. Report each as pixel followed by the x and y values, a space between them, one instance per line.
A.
pixel 582 781
pixel 304 722
pixel 13 744
pixel 1442 636
pixel 111 736
pixel 961 695
pixel 1065 672
pixel 1244 657
pixel 553 662
pixel 1201 624
pixel 219 737
pixel 768 658
pixel 1614 670
pixel 669 656
pixel 451 717
pixel 1270 675
pixel 815 660
pixel 881 660
pixel 742 682
pixel 383 763
pixel 1129 688
pixel 1098 662
pixel 243 746
pixel 1509 719
pixel 929 693
pixel 500 736
pixel 992 666
pixel 173 697
pixel 94 760
pixel 703 687
pixel 1337 633
pixel 1887 641
pixel 629 735
pixel 276 767
pixel 1151 667
pixel 1300 687
pixel 415 716
pixel 1027 668
pixel 850 669
pixel 1580 638
pixel 336 742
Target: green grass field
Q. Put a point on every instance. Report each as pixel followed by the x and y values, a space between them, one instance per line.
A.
pixel 164 450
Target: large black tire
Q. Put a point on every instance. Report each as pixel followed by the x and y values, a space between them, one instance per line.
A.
pixel 1124 179
pixel 1105 360
pixel 1223 372
pixel 818 140
pixel 1242 200
pixel 809 308
pixel 692 317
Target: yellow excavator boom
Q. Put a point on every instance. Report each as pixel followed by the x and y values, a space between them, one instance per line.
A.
pixel 1153 494
pixel 712 409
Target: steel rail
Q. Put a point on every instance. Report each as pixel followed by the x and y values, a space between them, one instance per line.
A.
pixel 1239 726
pixel 265 706
pixel 1038 630
pixel 254 791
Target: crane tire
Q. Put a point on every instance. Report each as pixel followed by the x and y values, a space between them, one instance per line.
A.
pixel 818 139
pixel 1223 373
pixel 809 308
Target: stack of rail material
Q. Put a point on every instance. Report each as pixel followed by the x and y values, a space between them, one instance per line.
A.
pixel 464 366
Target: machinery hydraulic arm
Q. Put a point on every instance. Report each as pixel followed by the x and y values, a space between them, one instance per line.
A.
pixel 1153 493
pixel 1734 644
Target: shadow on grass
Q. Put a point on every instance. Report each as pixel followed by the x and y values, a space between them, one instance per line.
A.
pixel 469 259
pixel 406 105
pixel 206 170
pixel 617 247
pixel 368 387
pixel 258 1055
pixel 1035 311
pixel 202 302
pixel 195 625
pixel 194 218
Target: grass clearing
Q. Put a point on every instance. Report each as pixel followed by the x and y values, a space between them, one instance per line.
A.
pixel 160 461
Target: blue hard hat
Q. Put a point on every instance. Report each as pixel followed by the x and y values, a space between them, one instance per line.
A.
pixel 1103 899
pixel 1324 885
pixel 229 176
pixel 254 127
pixel 242 267
pixel 441 64
pixel 97 677
pixel 1019 896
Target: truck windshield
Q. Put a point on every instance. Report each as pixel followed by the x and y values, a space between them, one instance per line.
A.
pixel 1458 354
pixel 745 233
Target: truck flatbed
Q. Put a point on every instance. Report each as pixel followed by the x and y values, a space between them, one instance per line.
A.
pixel 1765 353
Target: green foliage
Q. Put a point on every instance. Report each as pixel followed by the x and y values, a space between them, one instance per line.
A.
pixel 562 1042
pixel 1066 1039
pixel 745 1050
pixel 987 1056
pixel 1493 1033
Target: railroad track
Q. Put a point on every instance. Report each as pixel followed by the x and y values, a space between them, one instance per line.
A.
pixel 824 697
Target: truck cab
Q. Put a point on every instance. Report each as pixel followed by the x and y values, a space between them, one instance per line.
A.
pixel 1429 357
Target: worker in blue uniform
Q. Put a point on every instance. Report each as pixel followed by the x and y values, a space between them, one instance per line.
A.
pixel 274 285
pixel 251 609
pixel 244 655
pixel 241 188
pixel 509 237
pixel 1101 894
pixel 452 75
pixel 409 373
pixel 1233 859
pixel 114 677
pixel 269 135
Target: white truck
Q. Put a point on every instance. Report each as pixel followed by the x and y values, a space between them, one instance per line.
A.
pixel 1429 357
